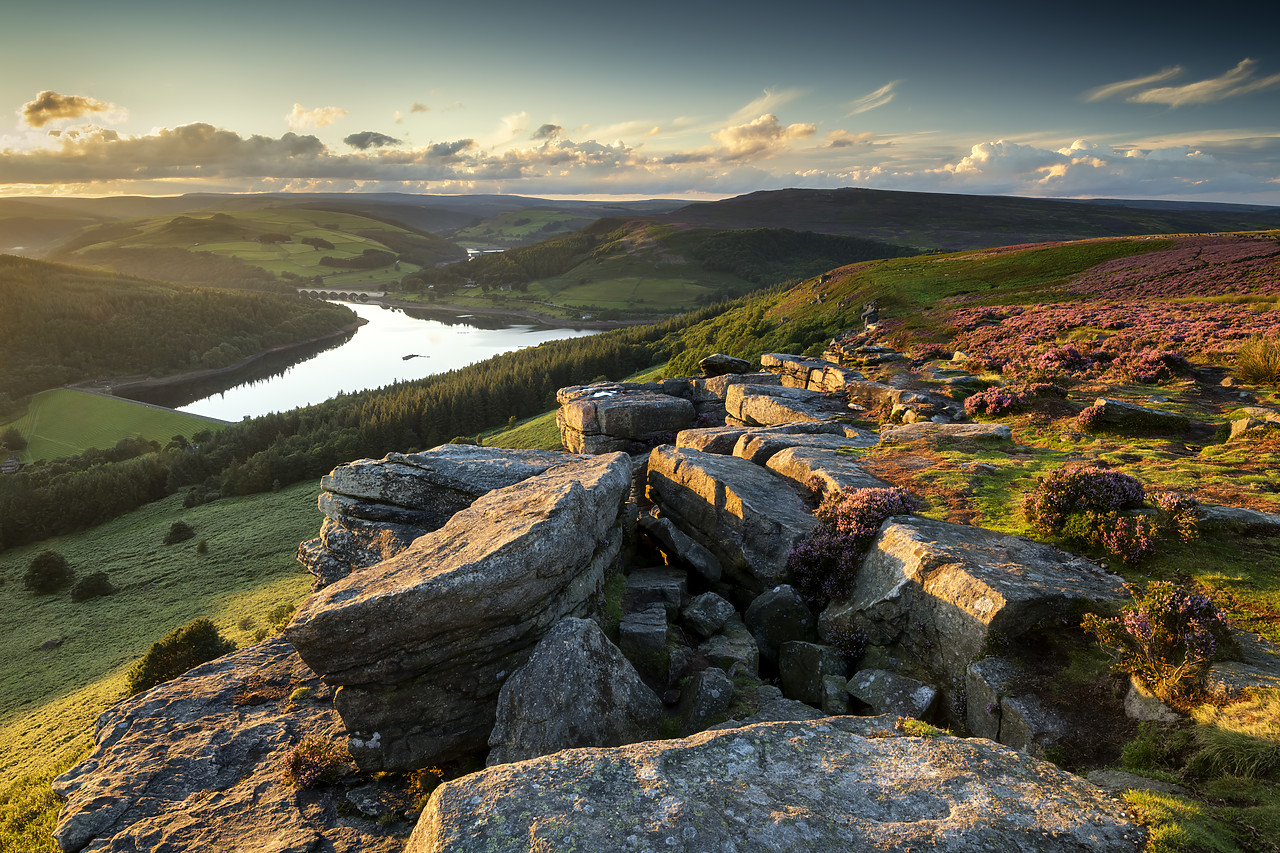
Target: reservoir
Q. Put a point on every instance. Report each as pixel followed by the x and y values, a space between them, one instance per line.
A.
pixel 393 345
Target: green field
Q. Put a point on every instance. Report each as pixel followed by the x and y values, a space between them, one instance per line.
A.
pixel 64 422
pixel 518 227
pixel 49 697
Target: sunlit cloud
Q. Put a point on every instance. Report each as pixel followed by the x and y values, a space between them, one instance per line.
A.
pixel 871 100
pixel 419 108
pixel 769 100
pixel 1239 81
pixel 303 119
pixel 50 106
pixel 367 139
pixel 761 137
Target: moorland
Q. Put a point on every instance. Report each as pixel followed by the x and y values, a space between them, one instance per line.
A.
pixel 1136 303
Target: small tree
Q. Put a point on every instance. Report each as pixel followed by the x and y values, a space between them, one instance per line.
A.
pixel 95 585
pixel 179 650
pixel 48 572
pixel 179 531
pixel 13 440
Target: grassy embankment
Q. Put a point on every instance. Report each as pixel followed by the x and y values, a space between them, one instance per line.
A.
pixel 65 422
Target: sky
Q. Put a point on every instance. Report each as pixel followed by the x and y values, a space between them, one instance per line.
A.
pixel 695 99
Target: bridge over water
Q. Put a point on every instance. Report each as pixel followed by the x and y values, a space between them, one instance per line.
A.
pixel 345 294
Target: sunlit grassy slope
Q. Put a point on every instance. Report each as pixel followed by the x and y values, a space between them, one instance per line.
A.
pixel 65 422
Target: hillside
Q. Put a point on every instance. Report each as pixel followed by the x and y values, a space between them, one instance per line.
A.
pixel 943 221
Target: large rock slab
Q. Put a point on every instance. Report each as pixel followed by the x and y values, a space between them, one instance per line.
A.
pixel 196 764
pixel 724 440
pixel 375 507
pixel 839 783
pixel 938 592
pixel 816 374
pixel 419 644
pixel 746 516
pixel 611 417
pixel 931 432
pixel 576 690
pixel 762 405
pixel 823 469
pixel 761 445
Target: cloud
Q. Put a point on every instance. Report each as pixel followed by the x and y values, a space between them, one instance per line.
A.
pixel 51 106
pixel 547 131
pixel 768 101
pixel 370 139
pixel 845 139
pixel 419 108
pixel 870 101
pixel 449 149
pixel 301 119
pixel 1239 81
pixel 760 138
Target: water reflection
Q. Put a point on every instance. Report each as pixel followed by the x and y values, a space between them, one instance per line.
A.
pixel 393 346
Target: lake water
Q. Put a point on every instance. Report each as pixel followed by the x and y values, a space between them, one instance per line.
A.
pixel 374 356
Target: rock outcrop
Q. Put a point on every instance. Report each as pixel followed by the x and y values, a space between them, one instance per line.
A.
pixel 840 783
pixel 374 508
pixel 419 644
pixel 575 690
pixel 196 764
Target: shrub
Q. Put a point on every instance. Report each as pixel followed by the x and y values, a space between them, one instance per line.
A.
pixel 1258 361
pixel 179 531
pixel 1167 638
pixel 1128 538
pixel 1179 515
pixel 49 572
pixel 13 440
pixel 313 761
pixel 202 547
pixel 997 401
pixel 1070 491
pixel 860 512
pixel 95 585
pixel 179 650
pixel 1089 419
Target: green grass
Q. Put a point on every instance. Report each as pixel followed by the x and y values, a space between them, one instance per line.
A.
pixel 50 697
pixel 64 422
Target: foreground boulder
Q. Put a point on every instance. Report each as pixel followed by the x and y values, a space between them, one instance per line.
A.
pixel 576 690
pixel 196 764
pixel 419 644
pixel 375 507
pixel 746 516
pixel 839 783
pixel 937 592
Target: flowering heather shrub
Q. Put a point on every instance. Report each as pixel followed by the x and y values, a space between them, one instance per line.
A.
pixel 860 512
pixel 850 640
pixel 1179 515
pixel 1069 491
pixel 1128 538
pixel 314 760
pixel 1167 638
pixel 1089 419
pixel 997 401
pixel 930 352
pixel 1149 366
pixel 824 564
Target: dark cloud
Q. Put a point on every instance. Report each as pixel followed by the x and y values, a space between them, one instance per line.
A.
pixel 449 149
pixel 367 139
pixel 50 106
pixel 547 131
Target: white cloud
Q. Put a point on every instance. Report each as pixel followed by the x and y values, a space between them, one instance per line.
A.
pixel 871 100
pixel 761 137
pixel 1239 81
pixel 303 119
pixel 768 101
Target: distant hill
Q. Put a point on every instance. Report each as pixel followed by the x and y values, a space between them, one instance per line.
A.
pixel 950 222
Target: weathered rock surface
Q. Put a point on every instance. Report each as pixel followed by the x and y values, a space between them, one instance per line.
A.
pixel 767 405
pixel 607 418
pixel 706 699
pixel 840 783
pixel 1122 416
pixel 890 693
pixel 707 613
pixel 375 507
pixel 778 616
pixel 744 515
pixel 827 470
pixel 675 543
pixel 1238 515
pixel 761 445
pixel 988 681
pixel 718 364
pixel 576 690
pixel 732 647
pixel 196 764
pixel 815 374
pixel 723 440
pixel 804 667
pixel 926 431
pixel 936 591
pixel 418 644
pixel 1142 704
pixel 1029 725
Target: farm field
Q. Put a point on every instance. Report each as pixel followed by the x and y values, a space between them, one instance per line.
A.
pixel 66 422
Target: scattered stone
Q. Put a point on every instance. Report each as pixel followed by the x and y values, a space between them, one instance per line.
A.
pixel 642 636
pixel 707 613
pixel 1247 428
pixel 1238 515
pixel 665 586
pixel 419 644
pixel 1121 416
pixel 1118 781
pixel 777 616
pixel 1141 704
pixel 734 509
pixel 802 667
pixel 577 689
pixel 719 364
pixel 839 783
pixel 987 681
pixel 1030 726
pixel 734 645
pixel 929 431
pixel 675 543
pixel 835 698
pixel 890 693
pixel 705 700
